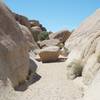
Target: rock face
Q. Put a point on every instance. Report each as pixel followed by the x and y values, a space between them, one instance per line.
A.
pixel 93 92
pixel 91 68
pixel 86 31
pixel 36 29
pixel 14 59
pixel 33 25
pixel 35 34
pixel 84 46
pixel 61 35
pixel 29 38
pixel 22 20
pixel 47 43
pixel 36 23
pixel 49 54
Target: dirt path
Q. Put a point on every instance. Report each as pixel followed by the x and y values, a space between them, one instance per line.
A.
pixel 53 85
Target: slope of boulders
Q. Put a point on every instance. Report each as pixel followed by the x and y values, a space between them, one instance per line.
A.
pixel 33 26
pixel 55 39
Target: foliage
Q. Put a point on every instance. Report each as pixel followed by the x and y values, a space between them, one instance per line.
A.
pixel 43 36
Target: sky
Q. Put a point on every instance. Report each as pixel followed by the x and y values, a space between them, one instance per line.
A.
pixel 55 15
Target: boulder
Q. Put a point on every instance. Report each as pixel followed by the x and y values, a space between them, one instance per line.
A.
pixel 64 51
pixel 49 54
pixel 62 35
pixel 22 20
pixel 90 69
pixel 36 23
pixel 14 59
pixel 35 32
pixel 47 43
pixel 36 28
pixel 93 91
pixel 29 38
pixel 84 46
pixel 87 30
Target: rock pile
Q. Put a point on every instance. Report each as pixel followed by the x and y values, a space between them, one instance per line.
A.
pixel 36 29
pixel 55 39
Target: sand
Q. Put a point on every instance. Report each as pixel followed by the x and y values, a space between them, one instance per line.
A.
pixel 53 85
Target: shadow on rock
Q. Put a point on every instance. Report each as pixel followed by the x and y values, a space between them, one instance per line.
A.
pixel 32 78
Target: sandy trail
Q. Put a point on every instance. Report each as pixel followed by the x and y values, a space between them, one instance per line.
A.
pixel 53 85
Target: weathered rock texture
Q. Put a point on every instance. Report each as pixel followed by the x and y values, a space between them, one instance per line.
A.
pixel 62 35
pixel 22 20
pixel 47 43
pixel 36 29
pixel 37 23
pixel 94 89
pixel 28 36
pixel 49 54
pixel 14 60
pixel 84 46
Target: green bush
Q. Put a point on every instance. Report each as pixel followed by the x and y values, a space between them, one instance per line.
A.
pixel 43 36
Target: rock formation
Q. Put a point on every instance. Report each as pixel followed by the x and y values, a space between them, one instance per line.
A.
pixel 62 35
pixel 37 23
pixel 22 20
pixel 93 91
pixel 36 29
pixel 84 46
pixel 14 59
pixel 29 38
pixel 47 43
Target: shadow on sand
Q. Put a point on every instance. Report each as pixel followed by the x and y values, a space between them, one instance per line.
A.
pixel 60 59
pixel 32 78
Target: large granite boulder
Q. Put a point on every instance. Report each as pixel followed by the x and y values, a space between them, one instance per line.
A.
pixel 49 54
pixel 62 35
pixel 29 38
pixel 90 69
pixel 47 43
pixel 37 23
pixel 84 46
pixel 22 20
pixel 14 59
pixel 92 92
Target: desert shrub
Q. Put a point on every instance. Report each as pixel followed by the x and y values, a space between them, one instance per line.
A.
pixel 43 36
pixel 74 69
